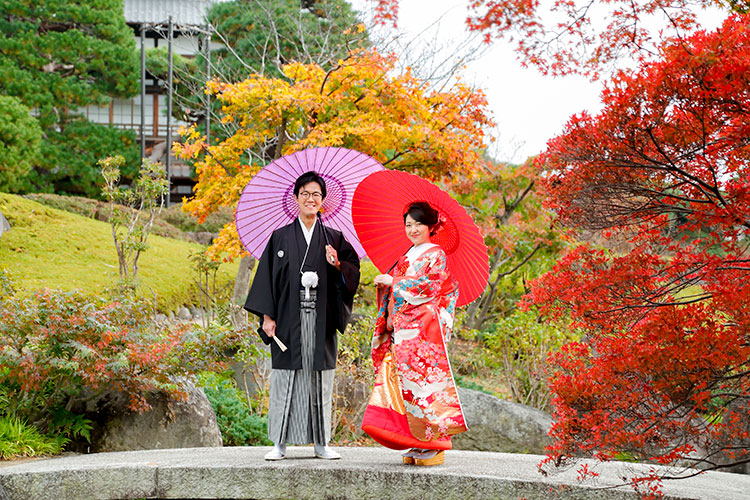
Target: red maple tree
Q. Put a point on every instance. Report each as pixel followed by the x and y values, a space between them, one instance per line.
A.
pixel 663 372
pixel 579 36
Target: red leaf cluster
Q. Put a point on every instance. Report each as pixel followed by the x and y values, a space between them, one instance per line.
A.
pixel 386 12
pixel 570 36
pixel 58 349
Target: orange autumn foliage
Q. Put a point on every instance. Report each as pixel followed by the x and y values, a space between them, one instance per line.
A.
pixel 362 104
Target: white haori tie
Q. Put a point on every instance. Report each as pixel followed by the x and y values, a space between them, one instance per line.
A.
pixel 309 278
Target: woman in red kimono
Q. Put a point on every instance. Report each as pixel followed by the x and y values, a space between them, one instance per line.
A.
pixel 414 404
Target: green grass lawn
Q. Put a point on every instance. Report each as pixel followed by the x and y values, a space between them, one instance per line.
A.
pixel 56 249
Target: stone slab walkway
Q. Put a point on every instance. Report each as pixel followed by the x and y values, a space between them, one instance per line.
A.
pixel 362 474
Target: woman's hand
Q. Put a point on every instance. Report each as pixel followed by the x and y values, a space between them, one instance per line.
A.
pixel 269 325
pixel 383 279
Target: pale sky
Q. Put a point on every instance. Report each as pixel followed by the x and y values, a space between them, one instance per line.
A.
pixel 528 107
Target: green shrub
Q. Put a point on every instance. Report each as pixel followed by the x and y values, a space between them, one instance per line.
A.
pixel 99 210
pixel 68 160
pixel 470 384
pixel 186 222
pixel 69 425
pixel 20 141
pixel 367 295
pixel 353 368
pixel 239 427
pixel 58 348
pixel 87 207
pixel 354 346
pixel 171 223
pixel 19 439
pixel 519 345
pixel 7 284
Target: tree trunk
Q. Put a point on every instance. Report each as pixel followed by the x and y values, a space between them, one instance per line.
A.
pixel 241 287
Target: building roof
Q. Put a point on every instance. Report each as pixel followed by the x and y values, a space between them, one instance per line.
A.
pixel 183 12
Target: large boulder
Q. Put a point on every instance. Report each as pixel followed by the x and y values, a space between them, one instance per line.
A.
pixel 731 449
pixel 350 398
pixel 170 423
pixel 4 224
pixel 498 425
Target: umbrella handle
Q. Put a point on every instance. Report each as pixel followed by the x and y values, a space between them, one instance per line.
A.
pixel 325 234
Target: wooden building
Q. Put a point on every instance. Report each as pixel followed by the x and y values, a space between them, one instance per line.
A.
pixel 179 26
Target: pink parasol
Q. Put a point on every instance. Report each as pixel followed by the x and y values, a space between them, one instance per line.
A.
pixel 267 202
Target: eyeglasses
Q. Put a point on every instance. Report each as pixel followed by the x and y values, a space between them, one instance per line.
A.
pixel 306 194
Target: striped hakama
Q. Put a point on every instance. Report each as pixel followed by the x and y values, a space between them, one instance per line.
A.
pixel 299 408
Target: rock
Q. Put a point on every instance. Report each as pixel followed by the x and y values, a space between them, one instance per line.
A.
pixel 170 423
pixel 254 375
pixel 183 313
pixel 350 398
pixel 737 422
pixel 498 425
pixel 364 473
pixel 4 224
pixel 352 391
pixel 202 237
pixel 197 313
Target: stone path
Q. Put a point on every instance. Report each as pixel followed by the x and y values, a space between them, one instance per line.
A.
pixel 362 474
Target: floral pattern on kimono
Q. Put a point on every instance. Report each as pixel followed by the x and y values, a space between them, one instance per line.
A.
pixel 414 322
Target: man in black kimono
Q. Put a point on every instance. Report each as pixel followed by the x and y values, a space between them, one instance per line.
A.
pixel 302 292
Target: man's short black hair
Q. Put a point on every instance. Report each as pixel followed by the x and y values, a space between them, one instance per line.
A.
pixel 307 178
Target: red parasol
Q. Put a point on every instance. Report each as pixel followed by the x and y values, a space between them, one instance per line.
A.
pixel 378 213
pixel 267 202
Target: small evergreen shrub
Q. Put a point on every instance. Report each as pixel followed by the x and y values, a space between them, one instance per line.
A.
pixel 239 427
pixel 98 210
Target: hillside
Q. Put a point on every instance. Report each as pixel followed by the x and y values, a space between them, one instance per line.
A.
pixel 57 249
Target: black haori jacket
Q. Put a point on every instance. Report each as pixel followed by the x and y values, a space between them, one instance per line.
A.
pixel 276 288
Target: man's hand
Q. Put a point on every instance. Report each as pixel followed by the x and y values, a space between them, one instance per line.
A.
pixel 332 257
pixel 269 325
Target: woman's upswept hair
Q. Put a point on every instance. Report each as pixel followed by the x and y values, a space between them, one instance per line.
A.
pixel 421 211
